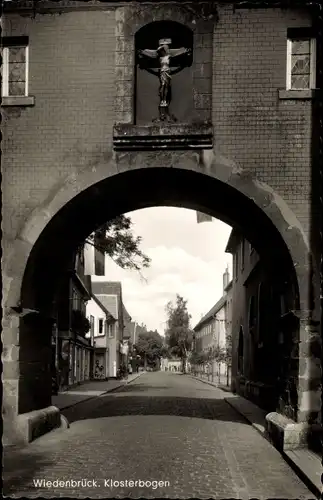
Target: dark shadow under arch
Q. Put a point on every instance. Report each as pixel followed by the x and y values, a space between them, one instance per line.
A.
pixel 143 188
pixel 53 253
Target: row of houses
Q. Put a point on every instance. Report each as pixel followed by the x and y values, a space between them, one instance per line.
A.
pixel 211 334
pixel 93 334
pixel 251 321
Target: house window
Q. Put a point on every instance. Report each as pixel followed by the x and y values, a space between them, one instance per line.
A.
pixel 110 331
pixel 301 59
pixel 15 62
pixel 101 321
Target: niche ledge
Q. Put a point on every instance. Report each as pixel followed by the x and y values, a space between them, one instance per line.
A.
pixel 128 137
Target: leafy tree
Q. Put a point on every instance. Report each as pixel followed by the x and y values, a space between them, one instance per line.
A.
pixel 116 239
pixel 150 346
pixel 179 335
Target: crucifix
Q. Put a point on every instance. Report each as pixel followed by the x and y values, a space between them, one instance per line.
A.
pixel 170 61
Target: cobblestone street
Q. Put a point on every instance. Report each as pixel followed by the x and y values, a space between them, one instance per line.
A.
pixel 161 427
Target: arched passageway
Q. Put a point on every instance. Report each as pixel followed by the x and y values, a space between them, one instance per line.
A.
pixel 85 203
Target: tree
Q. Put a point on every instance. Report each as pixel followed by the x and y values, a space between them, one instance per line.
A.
pixel 149 346
pixel 116 239
pixel 178 332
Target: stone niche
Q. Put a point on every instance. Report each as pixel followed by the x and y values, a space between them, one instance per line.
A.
pixel 147 84
pixel 140 124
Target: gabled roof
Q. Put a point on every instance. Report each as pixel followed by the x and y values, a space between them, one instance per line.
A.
pixel 234 239
pixel 108 293
pixel 106 287
pixel 110 302
pixel 212 312
pixel 102 306
pixel 128 329
pixel 126 315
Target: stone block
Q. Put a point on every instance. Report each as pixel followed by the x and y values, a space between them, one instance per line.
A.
pixel 10 395
pixel 10 352
pixel 124 73
pixel 124 117
pixel 202 101
pixel 124 104
pixel 154 137
pixel 202 70
pixel 202 85
pixel 124 58
pixel 284 433
pixel 123 44
pixel 310 401
pixel 34 424
pixel 11 370
pixel 124 88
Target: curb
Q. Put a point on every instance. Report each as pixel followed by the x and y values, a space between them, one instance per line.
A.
pixel 213 384
pixel 126 382
pixel 294 464
pixel 102 393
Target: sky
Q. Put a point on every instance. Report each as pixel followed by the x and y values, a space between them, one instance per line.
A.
pixel 186 258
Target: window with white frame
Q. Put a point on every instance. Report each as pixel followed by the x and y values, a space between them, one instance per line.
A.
pixel 15 66
pixel 101 326
pixel 301 59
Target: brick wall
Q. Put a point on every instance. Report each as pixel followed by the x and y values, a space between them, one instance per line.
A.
pixel 72 77
pixel 263 134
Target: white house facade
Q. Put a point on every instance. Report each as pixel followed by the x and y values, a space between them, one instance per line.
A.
pixel 103 333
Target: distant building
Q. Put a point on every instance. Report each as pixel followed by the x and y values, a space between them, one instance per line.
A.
pixel 73 351
pixel 110 296
pixel 171 365
pixel 102 334
pixel 212 331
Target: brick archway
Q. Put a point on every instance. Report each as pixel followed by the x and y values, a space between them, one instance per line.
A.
pixel 202 181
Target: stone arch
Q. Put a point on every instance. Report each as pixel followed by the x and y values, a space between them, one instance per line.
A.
pixel 205 182
pixel 232 181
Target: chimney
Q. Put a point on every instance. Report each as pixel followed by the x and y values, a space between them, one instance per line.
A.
pixel 226 278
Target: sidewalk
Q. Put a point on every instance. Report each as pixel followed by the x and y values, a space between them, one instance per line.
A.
pixel 222 385
pixel 89 390
pixel 307 464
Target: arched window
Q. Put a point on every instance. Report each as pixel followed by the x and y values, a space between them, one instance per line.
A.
pixel 240 351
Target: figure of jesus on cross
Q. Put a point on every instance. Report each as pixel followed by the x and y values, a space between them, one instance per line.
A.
pixel 166 57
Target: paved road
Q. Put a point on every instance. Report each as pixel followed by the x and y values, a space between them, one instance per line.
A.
pixel 162 427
